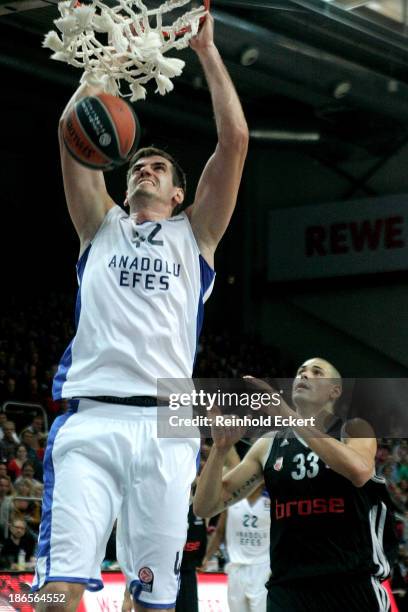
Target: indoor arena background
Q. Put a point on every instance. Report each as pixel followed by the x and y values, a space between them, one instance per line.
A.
pixel 315 259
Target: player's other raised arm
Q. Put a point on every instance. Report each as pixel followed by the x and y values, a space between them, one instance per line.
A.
pixel 217 190
pixel 85 189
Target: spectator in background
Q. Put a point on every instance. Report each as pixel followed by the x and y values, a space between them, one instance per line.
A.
pixel 3 470
pixel 403 493
pixel 18 539
pixel 402 462
pixel 9 443
pixel 15 466
pixel 11 391
pixel 38 491
pixel 10 425
pixel 4 501
pixel 3 419
pixel 10 490
pixel 382 456
pixel 27 437
pixel 27 473
pixel 12 368
pixel 33 392
pixel 25 509
pixel 389 471
pixel 37 429
pixel 32 371
pixel 3 377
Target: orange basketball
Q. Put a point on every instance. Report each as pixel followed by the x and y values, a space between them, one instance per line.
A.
pixel 101 132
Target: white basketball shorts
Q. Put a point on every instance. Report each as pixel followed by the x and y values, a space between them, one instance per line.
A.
pixel 246 587
pixel 104 462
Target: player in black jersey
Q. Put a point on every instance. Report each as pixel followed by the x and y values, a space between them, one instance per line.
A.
pixel 329 511
pixel 193 554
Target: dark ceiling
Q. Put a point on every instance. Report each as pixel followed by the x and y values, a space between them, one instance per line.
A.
pixel 320 74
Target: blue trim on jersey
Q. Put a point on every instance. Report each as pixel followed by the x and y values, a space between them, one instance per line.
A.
pixel 207 275
pixel 66 360
pixel 80 268
pixel 44 541
pixel 198 460
pixel 91 584
pixel 135 588
pixel 155 606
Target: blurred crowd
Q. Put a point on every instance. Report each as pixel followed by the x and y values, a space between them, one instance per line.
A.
pixel 32 341
pixel 21 489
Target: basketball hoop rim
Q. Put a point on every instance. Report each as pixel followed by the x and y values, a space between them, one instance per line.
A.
pixel 137 42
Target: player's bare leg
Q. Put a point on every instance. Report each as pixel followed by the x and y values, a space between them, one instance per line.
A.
pixel 62 597
pixel 128 605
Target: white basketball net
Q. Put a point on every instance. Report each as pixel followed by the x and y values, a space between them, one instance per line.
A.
pixel 129 57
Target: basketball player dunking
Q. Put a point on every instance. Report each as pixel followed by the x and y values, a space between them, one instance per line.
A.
pixel 143 279
pixel 328 508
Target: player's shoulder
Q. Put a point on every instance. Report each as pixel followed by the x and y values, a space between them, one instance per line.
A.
pixel 113 213
pixel 178 219
pixel 261 449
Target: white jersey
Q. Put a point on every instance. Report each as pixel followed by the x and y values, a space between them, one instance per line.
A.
pixel 139 308
pixel 247 531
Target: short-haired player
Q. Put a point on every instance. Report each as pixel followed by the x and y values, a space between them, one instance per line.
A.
pixel 329 510
pixel 144 277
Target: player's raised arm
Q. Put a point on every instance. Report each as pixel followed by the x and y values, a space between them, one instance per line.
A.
pixel 215 493
pixel 85 189
pixel 217 190
pixel 214 543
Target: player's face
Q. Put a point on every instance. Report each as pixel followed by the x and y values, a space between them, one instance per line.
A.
pixel 152 177
pixel 315 384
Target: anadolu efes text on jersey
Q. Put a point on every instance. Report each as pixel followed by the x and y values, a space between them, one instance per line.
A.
pixel 139 308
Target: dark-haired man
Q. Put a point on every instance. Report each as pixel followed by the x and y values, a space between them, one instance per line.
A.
pixel 329 511
pixel 143 279
pixel 19 539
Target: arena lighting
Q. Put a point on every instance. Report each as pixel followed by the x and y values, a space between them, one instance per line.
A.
pixel 249 56
pixel 341 89
pixel 348 5
pixel 285 136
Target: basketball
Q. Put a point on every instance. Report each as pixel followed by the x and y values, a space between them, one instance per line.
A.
pixel 101 131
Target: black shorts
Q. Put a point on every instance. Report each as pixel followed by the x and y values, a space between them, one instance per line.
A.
pixel 323 595
pixel 187 599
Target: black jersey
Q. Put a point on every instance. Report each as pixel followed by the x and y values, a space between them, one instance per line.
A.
pixel 321 524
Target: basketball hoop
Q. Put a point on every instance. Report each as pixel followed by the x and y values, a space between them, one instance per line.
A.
pixel 126 42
